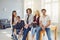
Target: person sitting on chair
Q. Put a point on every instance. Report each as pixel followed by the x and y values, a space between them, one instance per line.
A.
pixel 18 27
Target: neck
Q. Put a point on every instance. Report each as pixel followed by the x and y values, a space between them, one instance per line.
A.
pixel 44 15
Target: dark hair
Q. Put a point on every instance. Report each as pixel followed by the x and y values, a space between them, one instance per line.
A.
pixel 43 10
pixel 29 10
pixel 18 17
pixel 13 16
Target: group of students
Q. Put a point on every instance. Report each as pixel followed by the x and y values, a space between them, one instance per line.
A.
pixel 31 23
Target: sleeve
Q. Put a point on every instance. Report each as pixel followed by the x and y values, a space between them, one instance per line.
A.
pixel 23 23
pixel 31 19
pixel 25 19
pixel 48 18
pixel 40 19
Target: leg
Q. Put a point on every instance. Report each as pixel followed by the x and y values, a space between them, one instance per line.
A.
pixel 48 33
pixel 25 33
pixel 37 33
pixel 15 37
pixel 33 32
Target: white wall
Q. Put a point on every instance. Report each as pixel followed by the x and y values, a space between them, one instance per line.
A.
pixel 33 4
pixel 36 5
pixel 7 6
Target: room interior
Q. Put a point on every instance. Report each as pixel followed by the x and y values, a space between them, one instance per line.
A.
pixel 52 7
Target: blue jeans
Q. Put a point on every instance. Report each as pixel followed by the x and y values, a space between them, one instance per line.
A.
pixel 15 36
pixel 25 32
pixel 48 33
pixel 13 30
pixel 37 31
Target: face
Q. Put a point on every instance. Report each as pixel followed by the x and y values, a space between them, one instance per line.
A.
pixel 15 14
pixel 18 19
pixel 44 12
pixel 29 12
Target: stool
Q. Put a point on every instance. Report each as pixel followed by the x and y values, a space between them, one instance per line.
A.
pixel 53 28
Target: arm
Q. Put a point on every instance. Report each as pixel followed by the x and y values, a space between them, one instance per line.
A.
pixel 48 23
pixel 41 25
pixel 31 20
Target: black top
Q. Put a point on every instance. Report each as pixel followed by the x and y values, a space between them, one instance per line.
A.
pixel 36 20
pixel 20 25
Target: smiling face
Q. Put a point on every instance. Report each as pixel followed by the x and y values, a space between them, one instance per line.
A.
pixel 18 18
pixel 43 11
pixel 15 14
pixel 28 11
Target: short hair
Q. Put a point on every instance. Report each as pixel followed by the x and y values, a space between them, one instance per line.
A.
pixel 18 17
pixel 43 10
pixel 29 10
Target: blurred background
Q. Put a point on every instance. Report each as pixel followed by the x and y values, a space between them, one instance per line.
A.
pixel 7 6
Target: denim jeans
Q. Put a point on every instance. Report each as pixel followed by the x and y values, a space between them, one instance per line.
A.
pixel 15 36
pixel 13 30
pixel 37 31
pixel 25 32
pixel 48 33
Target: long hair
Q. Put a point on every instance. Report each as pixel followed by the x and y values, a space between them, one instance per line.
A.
pixel 13 16
pixel 37 13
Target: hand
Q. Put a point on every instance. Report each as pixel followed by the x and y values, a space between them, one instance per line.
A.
pixel 43 28
pixel 26 26
pixel 21 30
pixel 35 22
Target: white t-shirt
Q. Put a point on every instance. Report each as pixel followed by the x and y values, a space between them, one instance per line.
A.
pixel 45 20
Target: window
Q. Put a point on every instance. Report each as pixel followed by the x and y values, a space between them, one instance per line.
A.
pixel 52 9
pixel 47 0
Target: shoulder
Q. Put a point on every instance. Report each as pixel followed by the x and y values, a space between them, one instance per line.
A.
pixel 47 16
pixel 41 17
pixel 31 14
pixel 22 20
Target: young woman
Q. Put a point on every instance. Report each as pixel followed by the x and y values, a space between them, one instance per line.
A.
pixel 14 20
pixel 14 15
pixel 36 27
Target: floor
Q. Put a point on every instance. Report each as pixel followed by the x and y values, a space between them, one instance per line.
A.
pixel 5 34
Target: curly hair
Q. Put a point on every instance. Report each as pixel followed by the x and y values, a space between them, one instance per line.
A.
pixel 29 10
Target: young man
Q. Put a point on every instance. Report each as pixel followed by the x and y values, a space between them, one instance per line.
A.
pixel 45 23
pixel 28 20
pixel 18 27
